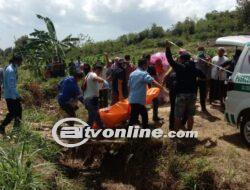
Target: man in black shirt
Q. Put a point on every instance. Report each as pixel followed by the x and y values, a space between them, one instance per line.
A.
pixel 202 65
pixel 170 81
pixel 186 78
pixel 119 83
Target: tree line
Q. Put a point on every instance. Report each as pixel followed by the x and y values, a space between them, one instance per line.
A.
pixel 214 24
pixel 42 46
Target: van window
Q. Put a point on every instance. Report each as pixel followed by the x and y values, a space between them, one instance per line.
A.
pixel 246 64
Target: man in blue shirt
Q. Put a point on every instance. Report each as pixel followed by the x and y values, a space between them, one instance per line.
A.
pixel 11 94
pixel 1 81
pixel 69 94
pixel 138 82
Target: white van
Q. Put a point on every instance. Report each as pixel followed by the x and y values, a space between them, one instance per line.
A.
pixel 238 96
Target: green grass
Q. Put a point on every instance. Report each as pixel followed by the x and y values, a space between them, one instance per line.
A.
pixel 35 115
pixel 17 167
pixel 29 161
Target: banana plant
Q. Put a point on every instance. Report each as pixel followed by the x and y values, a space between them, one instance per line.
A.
pixel 44 46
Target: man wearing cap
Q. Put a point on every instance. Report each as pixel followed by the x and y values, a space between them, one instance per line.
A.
pixel 186 77
pixel 218 77
pixel 69 94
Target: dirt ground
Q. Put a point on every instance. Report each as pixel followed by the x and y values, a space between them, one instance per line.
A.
pixel 228 154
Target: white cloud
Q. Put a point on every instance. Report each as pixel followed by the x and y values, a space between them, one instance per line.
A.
pixel 148 4
pixel 89 9
pixel 17 20
pixel 101 19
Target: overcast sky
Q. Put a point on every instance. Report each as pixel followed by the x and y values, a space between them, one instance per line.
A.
pixel 101 19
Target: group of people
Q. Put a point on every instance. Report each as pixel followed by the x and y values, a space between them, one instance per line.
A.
pixel 106 84
pixel 117 80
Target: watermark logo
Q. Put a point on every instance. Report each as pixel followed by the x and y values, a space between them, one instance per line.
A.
pixel 80 134
pixel 75 132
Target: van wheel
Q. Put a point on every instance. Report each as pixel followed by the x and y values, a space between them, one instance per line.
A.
pixel 245 130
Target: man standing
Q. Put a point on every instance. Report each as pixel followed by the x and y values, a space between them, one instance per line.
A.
pixel 138 81
pixel 106 75
pixel 170 81
pixel 69 94
pixel 119 82
pixel 202 65
pixel 152 72
pixel 91 95
pixel 231 64
pixel 128 66
pixel 11 94
pixel 71 67
pixel 218 77
pixel 186 77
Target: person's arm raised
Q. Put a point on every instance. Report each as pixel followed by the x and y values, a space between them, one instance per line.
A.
pixel 106 58
pixel 169 54
pixel 172 62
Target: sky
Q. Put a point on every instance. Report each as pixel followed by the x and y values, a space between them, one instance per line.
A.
pixel 100 19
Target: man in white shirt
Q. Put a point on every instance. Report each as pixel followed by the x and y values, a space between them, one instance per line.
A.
pixel 91 95
pixel 218 77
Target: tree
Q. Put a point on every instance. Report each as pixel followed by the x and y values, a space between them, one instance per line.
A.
pixel 132 38
pixel 178 29
pixel 189 26
pixel 156 31
pixel 20 44
pixel 8 51
pixel 123 39
pixel 1 52
pixel 244 12
pixel 44 46
pixel 143 34
pixel 82 39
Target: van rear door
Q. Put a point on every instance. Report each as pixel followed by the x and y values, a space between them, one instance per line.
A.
pixel 243 64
